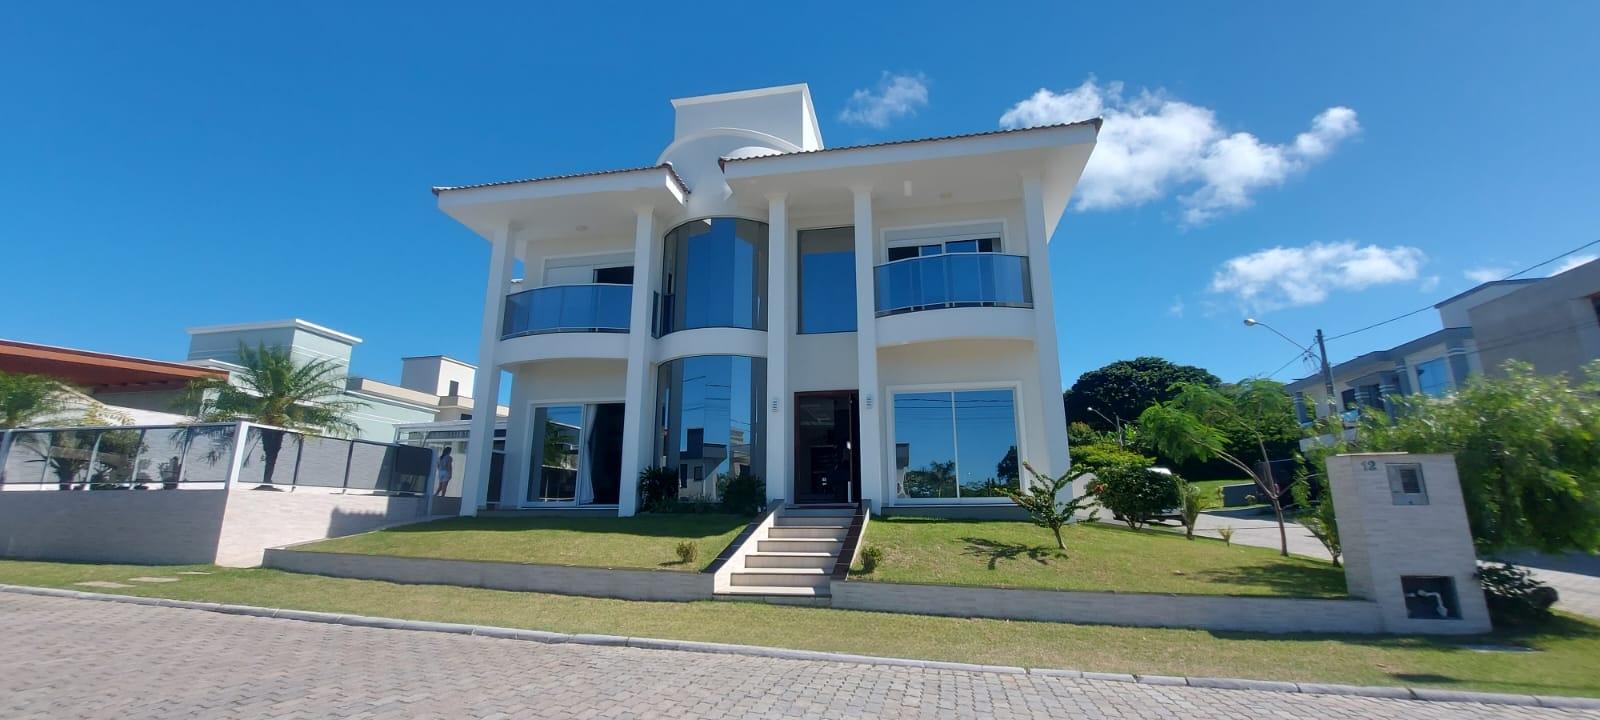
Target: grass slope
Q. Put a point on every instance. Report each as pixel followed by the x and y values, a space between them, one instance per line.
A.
pixel 644 541
pixel 1005 553
pixel 1568 650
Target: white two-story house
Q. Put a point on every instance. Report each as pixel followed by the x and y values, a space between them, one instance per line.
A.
pixel 868 323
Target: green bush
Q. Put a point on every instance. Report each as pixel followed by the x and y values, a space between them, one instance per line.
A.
pixel 658 487
pixel 742 494
pixel 1514 596
pixel 870 558
pixel 688 552
pixel 1125 485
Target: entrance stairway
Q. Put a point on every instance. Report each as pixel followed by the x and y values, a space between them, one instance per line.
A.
pixel 793 557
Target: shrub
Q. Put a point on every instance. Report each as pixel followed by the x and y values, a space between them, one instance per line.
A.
pixel 1226 533
pixel 1124 484
pixel 1318 516
pixel 1042 501
pixel 742 494
pixel 1193 502
pixel 658 486
pixel 687 552
pixel 870 557
pixel 1514 596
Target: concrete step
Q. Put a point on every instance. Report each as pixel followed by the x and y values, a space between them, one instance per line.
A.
pixel 822 511
pixel 785 532
pixel 818 560
pixel 777 595
pixel 839 521
pixel 781 577
pixel 783 545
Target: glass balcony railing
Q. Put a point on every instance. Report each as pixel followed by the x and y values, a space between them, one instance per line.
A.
pixel 953 280
pixel 568 308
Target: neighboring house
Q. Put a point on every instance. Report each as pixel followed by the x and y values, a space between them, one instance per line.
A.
pixel 137 390
pixel 1551 322
pixel 868 323
pixel 431 387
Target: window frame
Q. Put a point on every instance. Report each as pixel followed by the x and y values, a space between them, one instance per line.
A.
pixel 942 233
pixel 800 287
pixel 1017 413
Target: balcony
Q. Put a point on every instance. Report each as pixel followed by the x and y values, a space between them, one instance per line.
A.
pixel 952 280
pixel 596 308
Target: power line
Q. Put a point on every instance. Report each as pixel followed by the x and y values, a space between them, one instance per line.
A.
pixel 1430 307
pixel 1299 355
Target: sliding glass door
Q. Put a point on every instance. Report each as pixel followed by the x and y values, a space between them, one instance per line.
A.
pixel 955 445
pixel 575 456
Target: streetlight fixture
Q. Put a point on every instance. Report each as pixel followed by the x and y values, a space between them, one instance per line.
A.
pixel 1117 422
pixel 1322 353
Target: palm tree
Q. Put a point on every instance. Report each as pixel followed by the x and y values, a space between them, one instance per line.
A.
pixel 274 390
pixel 27 400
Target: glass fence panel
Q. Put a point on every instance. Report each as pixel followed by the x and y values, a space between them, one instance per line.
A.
pixel 953 280
pixel 569 308
pixel 113 456
pixel 269 457
pixel 371 466
pixel 208 454
pixel 161 457
pixel 27 462
pixel 322 462
pixel 411 465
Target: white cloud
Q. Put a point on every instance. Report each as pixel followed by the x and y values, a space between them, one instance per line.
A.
pixel 1290 276
pixel 1429 284
pixel 1572 262
pixel 896 96
pixel 1152 145
pixel 1177 307
pixel 1487 273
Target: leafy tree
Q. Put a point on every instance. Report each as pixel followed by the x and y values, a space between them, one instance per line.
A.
pixel 1318 516
pixel 1044 502
pixel 274 390
pixel 1125 388
pixel 1527 448
pixel 28 400
pixel 1197 422
pixel 1124 483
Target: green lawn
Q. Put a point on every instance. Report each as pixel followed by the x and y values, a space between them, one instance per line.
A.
pixel 642 541
pixel 1212 489
pixel 1567 650
pixel 1005 553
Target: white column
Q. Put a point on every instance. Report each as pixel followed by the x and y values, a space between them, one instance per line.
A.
pixel 486 386
pixel 780 414
pixel 875 485
pixel 638 416
pixel 1052 458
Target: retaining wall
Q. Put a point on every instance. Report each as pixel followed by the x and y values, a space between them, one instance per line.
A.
pixel 1206 612
pixel 628 584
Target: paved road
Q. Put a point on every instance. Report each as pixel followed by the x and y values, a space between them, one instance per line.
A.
pixel 63 658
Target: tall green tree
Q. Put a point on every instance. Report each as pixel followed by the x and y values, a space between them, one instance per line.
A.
pixel 274 390
pixel 1125 388
pixel 1199 420
pixel 1527 449
pixel 28 400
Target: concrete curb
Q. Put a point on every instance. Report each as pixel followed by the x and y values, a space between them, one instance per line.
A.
pixel 1386 692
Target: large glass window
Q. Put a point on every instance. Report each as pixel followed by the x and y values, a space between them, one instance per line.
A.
pixel 710 422
pixel 827 280
pixel 714 274
pixel 576 454
pixel 952 445
pixel 1433 378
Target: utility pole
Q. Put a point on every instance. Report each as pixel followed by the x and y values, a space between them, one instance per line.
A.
pixel 1327 375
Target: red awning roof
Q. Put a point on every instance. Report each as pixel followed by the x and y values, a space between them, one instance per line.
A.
pixel 99 371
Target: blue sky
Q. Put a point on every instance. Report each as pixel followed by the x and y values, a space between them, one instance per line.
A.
pixel 165 165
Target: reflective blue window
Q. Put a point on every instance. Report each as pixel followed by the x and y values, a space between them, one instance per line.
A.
pixel 711 424
pixel 960 444
pixel 827 280
pixel 714 274
pixel 1433 378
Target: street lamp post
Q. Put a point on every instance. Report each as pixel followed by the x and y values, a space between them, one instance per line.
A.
pixel 1322 353
pixel 1117 422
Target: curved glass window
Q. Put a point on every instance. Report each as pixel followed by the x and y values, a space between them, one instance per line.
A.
pixel 709 421
pixel 713 274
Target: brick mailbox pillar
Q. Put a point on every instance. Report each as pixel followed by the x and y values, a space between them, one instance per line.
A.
pixel 1407 546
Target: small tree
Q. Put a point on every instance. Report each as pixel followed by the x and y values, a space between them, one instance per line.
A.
pixel 1317 516
pixel 1197 421
pixel 1192 503
pixel 1044 504
pixel 275 390
pixel 28 400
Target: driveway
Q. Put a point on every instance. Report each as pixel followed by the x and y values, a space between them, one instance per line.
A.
pixel 66 658
pixel 1576 577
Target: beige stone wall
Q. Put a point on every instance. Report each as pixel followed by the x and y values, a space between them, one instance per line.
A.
pixel 146 527
pixel 256 520
pixel 560 579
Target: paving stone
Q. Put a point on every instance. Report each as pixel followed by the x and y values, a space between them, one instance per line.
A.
pixel 73 658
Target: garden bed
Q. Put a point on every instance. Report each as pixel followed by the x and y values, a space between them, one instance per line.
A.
pixel 1013 554
pixel 645 541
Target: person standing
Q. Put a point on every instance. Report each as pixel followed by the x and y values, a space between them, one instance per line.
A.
pixel 446 469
